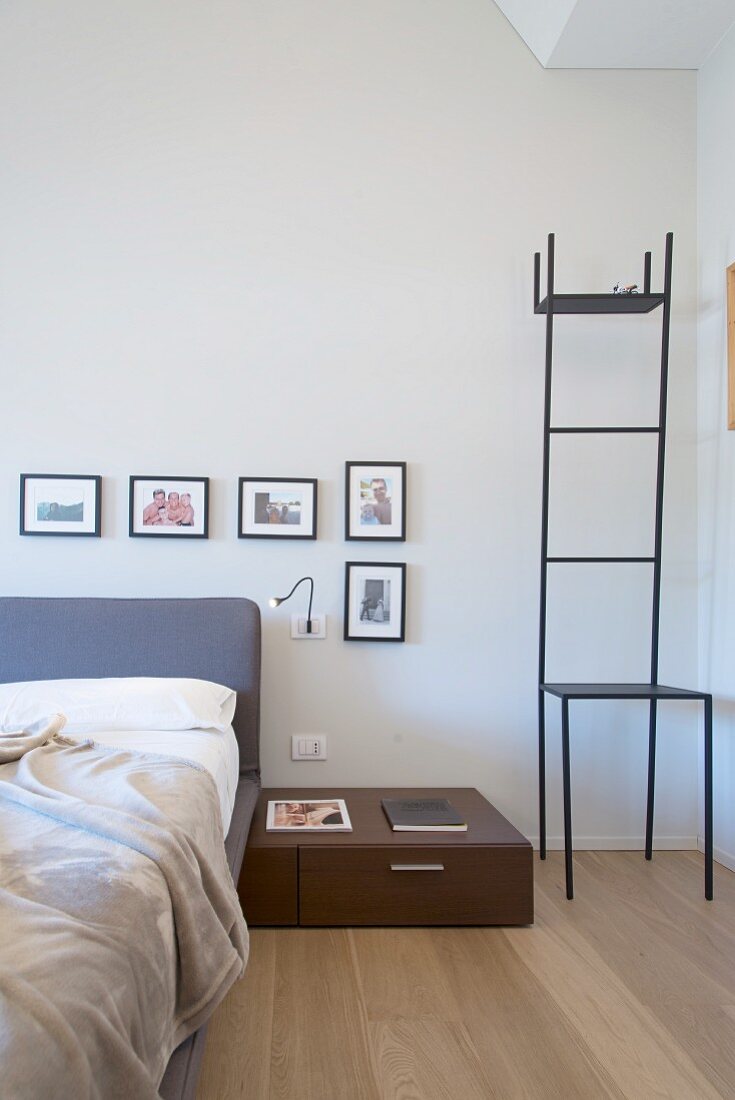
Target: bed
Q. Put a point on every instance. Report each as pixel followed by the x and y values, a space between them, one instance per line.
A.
pixel 207 639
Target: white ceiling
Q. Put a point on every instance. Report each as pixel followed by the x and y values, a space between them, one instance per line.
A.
pixel 620 34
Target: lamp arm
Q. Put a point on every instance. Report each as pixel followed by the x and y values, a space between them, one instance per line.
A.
pixel 311 597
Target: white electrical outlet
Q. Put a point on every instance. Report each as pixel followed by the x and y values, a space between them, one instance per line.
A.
pixel 318 627
pixel 308 746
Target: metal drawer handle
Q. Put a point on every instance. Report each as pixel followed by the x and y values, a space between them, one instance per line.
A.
pixel 417 866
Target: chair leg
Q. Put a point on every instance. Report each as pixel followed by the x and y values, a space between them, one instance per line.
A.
pixel 651 778
pixel 542 774
pixel 708 843
pixel 567 798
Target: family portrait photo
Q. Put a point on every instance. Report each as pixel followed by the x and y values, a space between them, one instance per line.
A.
pixel 59 504
pixel 273 507
pixel 169 506
pixel 375 602
pixel 375 502
pixel 174 510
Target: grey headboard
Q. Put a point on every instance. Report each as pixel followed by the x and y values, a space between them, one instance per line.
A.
pixel 210 639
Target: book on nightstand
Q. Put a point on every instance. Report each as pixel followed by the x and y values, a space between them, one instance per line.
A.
pixel 423 815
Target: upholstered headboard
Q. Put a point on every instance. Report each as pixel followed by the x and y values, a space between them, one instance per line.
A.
pixel 210 639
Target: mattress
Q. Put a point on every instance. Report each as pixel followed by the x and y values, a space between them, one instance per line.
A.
pixel 215 751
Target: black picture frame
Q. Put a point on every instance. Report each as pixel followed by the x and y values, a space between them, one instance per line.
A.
pixel 359 624
pixel 141 529
pixel 28 524
pixel 358 507
pixel 252 525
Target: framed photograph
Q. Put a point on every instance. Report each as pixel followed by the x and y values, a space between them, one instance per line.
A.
pixel 277 508
pixel 375 601
pixel 60 504
pixel 169 507
pixel 315 815
pixel 375 501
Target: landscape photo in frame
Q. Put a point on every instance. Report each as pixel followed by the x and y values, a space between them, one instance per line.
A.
pixel 60 504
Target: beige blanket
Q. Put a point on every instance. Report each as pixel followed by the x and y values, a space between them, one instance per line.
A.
pixel 120 928
pixel 14 744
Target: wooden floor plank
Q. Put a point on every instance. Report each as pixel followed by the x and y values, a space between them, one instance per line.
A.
pixel 647 929
pixel 320 1039
pixel 237 1057
pixel 628 992
pixel 527 1046
pixel 401 976
pixel 664 945
pixel 428 1059
pixel 640 1054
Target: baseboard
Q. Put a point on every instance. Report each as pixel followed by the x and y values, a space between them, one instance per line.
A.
pixel 727 859
pixel 637 844
pixel 623 844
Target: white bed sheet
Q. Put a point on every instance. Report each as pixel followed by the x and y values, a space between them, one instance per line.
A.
pixel 214 750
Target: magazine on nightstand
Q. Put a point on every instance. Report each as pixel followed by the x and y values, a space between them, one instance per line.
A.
pixel 312 815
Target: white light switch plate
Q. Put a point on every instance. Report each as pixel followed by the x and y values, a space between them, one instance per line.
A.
pixel 318 627
pixel 305 746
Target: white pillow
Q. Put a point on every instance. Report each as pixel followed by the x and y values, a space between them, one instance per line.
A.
pixel 124 703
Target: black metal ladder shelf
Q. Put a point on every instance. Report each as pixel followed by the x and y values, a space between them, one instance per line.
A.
pixel 652 691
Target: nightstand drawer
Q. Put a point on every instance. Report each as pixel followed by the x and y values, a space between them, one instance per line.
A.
pixel 415 885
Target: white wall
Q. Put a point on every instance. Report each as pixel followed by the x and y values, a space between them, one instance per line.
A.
pixel 261 239
pixel 716 95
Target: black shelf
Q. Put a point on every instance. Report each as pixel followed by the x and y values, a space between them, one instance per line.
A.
pixel 619 691
pixel 602 303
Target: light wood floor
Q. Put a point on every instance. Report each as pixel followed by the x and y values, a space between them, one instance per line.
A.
pixel 628 991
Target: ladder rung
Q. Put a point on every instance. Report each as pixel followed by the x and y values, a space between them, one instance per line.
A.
pixel 600 559
pixel 601 431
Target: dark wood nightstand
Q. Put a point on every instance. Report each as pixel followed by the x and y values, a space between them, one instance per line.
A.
pixel 375 876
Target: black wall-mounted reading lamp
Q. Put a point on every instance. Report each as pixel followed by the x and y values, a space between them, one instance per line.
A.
pixel 274 601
